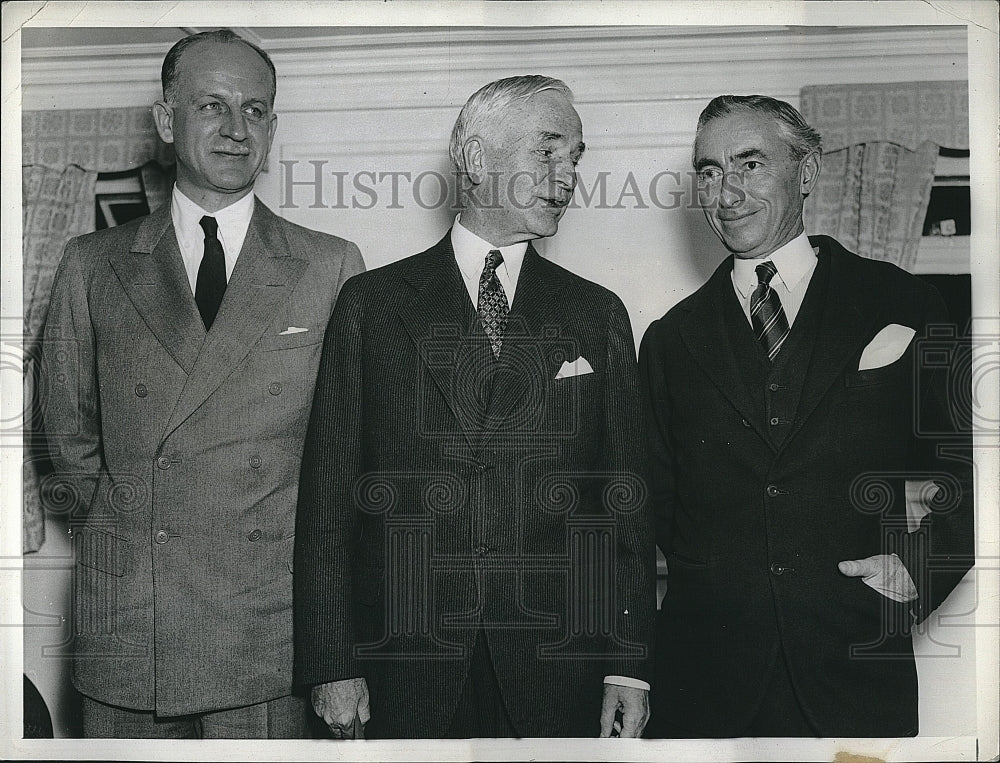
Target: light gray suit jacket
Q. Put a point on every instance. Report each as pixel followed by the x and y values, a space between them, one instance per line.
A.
pixel 179 454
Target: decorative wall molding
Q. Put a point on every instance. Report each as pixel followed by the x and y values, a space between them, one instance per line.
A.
pixel 411 68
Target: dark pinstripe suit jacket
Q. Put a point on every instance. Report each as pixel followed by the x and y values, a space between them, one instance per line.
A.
pixel 443 492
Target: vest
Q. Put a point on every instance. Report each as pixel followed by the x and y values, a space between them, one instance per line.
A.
pixel 775 387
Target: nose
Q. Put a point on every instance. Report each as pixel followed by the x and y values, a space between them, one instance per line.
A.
pixel 563 174
pixel 234 126
pixel 731 194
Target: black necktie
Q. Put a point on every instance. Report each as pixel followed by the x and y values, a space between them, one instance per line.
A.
pixel 492 305
pixel 211 284
pixel 766 314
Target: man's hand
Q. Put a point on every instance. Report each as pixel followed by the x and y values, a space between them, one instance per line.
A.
pixel 886 573
pixel 634 704
pixel 343 705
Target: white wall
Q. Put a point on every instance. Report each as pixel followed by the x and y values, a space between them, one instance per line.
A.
pixel 384 101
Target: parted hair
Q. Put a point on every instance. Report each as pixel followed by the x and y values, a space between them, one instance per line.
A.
pixel 486 106
pixel 802 139
pixel 168 72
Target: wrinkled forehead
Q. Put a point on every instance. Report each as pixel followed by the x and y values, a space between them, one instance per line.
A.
pixel 233 66
pixel 547 115
pixel 737 133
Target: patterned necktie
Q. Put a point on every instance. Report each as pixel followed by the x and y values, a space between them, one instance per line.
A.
pixel 211 285
pixel 492 306
pixel 766 314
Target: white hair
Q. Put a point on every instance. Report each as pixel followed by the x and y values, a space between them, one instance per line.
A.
pixel 484 108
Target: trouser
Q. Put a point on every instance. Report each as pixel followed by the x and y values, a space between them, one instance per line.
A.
pixel 282 718
pixel 481 712
pixel 780 713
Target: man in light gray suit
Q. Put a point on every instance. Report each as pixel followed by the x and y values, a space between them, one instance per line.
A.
pixel 181 354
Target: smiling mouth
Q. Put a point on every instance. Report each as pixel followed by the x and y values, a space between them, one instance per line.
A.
pixel 554 203
pixel 734 218
pixel 233 153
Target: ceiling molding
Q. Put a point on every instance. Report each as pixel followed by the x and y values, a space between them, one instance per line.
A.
pixel 435 68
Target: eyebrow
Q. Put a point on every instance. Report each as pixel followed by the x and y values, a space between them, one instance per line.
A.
pixel 546 136
pixel 750 153
pixel 223 97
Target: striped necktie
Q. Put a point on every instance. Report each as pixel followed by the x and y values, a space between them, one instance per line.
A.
pixel 492 306
pixel 766 314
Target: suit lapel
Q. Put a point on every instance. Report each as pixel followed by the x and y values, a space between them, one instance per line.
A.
pixel 264 277
pixel 439 316
pixel 537 304
pixel 708 337
pixel 153 276
pixel 849 311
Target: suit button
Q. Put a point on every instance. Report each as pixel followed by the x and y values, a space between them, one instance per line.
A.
pixel 774 421
pixel 773 387
pixel 140 390
pixel 255 462
pixel 746 423
pixel 777 569
pixel 772 490
pixel 254 535
pixel 274 388
pixel 163 462
pixel 482 549
pixel 161 537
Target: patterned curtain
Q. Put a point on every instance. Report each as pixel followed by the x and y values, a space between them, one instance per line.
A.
pixel 62 154
pixel 880 147
pixel 58 204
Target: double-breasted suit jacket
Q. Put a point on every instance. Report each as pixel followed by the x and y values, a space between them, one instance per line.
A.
pixel 765 477
pixel 181 452
pixel 444 492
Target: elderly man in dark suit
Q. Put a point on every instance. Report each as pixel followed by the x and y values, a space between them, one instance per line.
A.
pixel 181 352
pixel 785 412
pixel 472 545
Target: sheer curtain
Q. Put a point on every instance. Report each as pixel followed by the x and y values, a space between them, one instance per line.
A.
pixel 63 152
pixel 880 147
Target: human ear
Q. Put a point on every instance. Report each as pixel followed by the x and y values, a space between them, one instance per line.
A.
pixel 809 169
pixel 163 118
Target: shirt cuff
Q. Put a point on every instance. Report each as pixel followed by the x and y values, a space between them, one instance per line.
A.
pixel 635 683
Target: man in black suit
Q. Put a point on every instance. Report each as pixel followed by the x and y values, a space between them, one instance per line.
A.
pixel 473 543
pixel 785 413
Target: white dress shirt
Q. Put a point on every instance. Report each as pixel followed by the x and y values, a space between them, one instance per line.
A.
pixel 795 262
pixel 234 221
pixel 470 253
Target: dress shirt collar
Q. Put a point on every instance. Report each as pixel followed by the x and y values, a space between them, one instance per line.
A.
pixel 471 252
pixel 794 261
pixel 234 221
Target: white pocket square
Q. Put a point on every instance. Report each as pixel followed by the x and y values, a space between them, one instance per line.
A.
pixel 887 347
pixel 292 330
pixel 578 367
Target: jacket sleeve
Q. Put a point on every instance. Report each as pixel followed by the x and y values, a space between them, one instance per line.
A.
pixel 635 559
pixel 325 520
pixel 942 549
pixel 72 415
pixel 659 451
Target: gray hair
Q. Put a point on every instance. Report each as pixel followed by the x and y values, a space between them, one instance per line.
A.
pixel 801 138
pixel 481 112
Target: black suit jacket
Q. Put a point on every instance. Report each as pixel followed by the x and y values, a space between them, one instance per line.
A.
pixel 753 530
pixel 443 492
